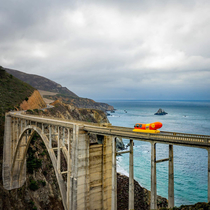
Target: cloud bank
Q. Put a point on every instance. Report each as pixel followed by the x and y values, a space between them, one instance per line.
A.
pixel 112 49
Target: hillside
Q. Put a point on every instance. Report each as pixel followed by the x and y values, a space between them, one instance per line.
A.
pixel 40 83
pixel 63 93
pixel 12 91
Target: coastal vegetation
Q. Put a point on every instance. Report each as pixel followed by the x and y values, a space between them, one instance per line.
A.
pixel 12 91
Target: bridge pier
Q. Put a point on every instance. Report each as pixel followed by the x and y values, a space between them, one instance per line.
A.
pixel 154 179
pixel 114 176
pixel 131 178
pixel 208 174
pixel 153 204
pixel 171 178
pixel 8 146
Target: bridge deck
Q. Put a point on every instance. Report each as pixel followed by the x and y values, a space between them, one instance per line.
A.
pixel 184 139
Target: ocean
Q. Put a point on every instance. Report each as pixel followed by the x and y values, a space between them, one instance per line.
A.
pixel 190 164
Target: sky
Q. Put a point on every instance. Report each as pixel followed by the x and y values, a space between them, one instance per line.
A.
pixel 111 50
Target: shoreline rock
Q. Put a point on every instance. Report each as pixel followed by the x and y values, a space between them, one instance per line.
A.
pixel 160 112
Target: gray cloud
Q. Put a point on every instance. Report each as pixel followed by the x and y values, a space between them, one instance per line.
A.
pixel 111 49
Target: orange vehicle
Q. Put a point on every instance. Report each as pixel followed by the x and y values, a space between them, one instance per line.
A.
pixel 148 128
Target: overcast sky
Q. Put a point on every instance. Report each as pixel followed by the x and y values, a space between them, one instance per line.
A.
pixel 121 49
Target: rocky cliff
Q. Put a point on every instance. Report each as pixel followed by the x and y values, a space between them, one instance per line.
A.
pixel 71 112
pixel 141 195
pixel 81 102
pixel 35 101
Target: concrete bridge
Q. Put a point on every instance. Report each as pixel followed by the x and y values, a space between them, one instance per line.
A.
pixel 90 181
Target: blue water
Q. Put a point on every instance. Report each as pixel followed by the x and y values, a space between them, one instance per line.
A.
pixel 190 164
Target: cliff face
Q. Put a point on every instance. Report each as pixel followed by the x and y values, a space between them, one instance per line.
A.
pixel 80 102
pixel 141 195
pixel 71 112
pixel 35 101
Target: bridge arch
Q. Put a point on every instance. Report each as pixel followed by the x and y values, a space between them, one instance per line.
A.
pixel 18 165
pixel 87 174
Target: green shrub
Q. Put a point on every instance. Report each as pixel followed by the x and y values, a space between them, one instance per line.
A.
pixel 43 183
pixel 32 162
pixel 33 185
pixel 29 111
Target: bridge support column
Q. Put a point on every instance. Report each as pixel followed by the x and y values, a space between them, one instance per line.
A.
pixel 78 196
pixel 208 175
pixel 171 178
pixel 114 176
pixel 131 178
pixel 153 177
pixel 7 156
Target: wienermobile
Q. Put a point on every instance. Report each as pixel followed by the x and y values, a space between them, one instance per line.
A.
pixel 148 128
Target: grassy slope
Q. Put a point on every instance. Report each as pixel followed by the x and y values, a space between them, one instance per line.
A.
pixel 12 91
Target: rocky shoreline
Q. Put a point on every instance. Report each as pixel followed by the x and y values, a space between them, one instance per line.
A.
pixel 141 195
